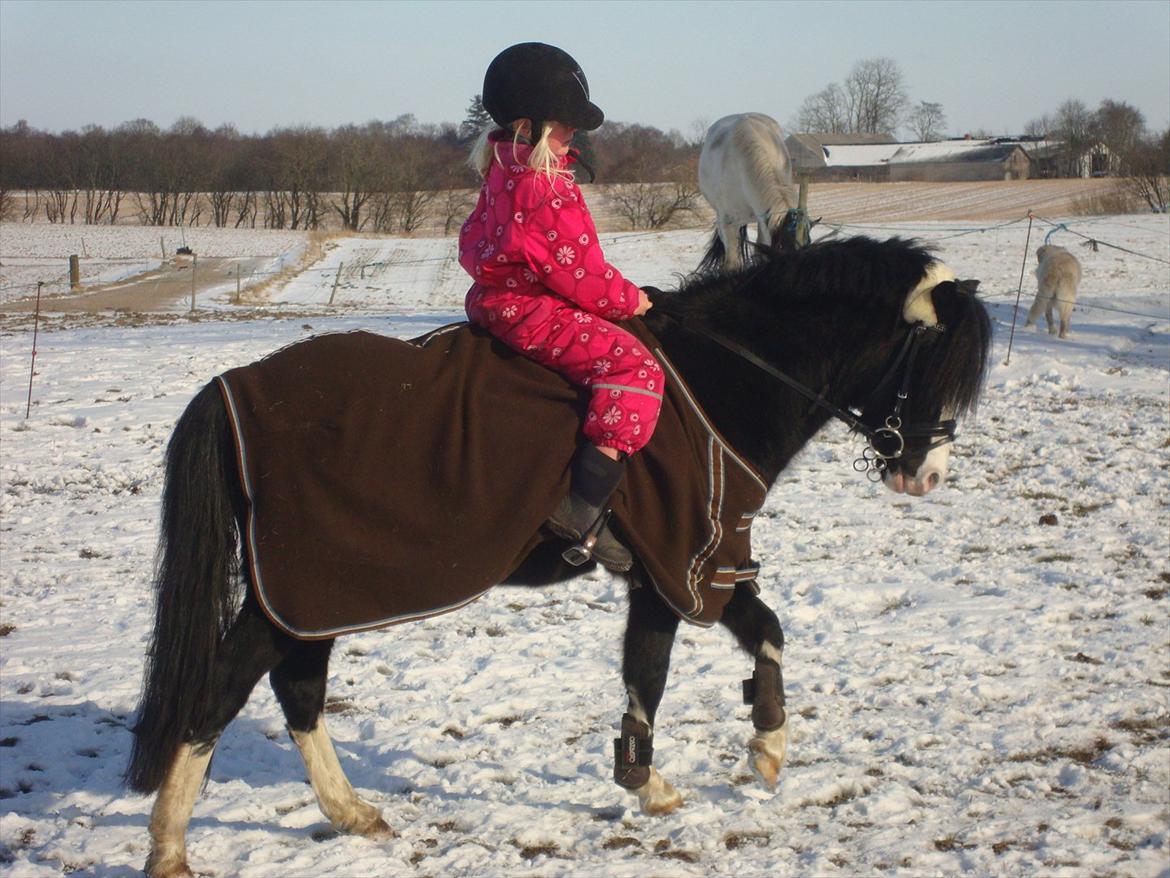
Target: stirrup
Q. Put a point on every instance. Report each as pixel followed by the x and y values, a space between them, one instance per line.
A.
pixel 582 552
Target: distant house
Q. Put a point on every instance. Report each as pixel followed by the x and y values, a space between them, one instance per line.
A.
pixel 1053 158
pixel 877 158
pixel 959 161
pixel 841 157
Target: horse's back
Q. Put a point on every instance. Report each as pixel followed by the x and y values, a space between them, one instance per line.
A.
pixel 744 168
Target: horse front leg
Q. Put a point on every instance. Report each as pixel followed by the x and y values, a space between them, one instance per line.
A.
pixel 299 684
pixel 650 630
pixel 758 631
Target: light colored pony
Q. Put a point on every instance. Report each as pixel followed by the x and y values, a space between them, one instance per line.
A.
pixel 1057 277
pixel 745 174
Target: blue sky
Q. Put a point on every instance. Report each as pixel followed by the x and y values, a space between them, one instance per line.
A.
pixel 992 65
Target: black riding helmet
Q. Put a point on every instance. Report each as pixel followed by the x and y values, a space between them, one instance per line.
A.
pixel 538 82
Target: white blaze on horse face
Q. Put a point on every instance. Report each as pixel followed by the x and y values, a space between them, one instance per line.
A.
pixel 918 307
pixel 929 475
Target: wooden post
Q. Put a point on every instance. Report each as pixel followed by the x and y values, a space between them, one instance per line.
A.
pixel 1019 292
pixel 237 283
pixel 163 245
pixel 194 261
pixel 336 280
pixel 802 196
pixel 33 368
pixel 74 272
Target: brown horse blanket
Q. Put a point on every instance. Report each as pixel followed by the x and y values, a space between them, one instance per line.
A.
pixel 391 480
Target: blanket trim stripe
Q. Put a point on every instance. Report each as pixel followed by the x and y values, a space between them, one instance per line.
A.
pixel 702 415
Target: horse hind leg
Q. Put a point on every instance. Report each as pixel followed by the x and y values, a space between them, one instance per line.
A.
pixel 250 649
pixel 650 632
pixel 758 632
pixel 299 684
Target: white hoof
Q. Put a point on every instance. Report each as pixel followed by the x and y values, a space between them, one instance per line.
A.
pixel 167 866
pixel 766 754
pixel 657 796
pixel 377 830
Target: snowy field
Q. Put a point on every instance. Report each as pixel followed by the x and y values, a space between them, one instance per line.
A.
pixel 979 680
pixel 108 254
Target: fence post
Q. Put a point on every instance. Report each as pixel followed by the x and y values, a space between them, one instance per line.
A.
pixel 336 280
pixel 237 283
pixel 74 272
pixel 1019 292
pixel 194 262
pixel 162 243
pixel 33 367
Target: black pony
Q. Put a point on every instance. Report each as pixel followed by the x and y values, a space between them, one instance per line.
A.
pixel 878 334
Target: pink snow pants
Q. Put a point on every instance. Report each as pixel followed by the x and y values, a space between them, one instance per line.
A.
pixel 625 380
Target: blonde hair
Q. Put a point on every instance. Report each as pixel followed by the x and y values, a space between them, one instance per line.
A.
pixel 542 160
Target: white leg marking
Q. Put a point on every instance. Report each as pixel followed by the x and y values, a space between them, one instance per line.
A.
pixel 172 812
pixel 657 796
pixel 768 750
pixel 337 799
pixel 766 754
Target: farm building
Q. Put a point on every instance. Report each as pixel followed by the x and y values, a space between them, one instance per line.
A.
pixel 948 160
pixel 876 158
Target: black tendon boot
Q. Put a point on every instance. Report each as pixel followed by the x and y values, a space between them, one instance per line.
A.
pixel 581 516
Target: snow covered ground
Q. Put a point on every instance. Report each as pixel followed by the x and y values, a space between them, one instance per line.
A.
pixel 980 679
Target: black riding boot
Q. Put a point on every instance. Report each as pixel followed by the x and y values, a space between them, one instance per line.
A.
pixel 581 515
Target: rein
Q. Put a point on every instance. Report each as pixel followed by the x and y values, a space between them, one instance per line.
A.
pixel 884 443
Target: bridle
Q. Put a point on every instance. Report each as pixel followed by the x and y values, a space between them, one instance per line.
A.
pixel 884 443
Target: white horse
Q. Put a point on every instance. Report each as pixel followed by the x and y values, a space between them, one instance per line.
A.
pixel 1057 277
pixel 745 174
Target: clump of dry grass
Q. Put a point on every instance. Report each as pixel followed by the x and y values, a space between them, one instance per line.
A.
pixel 1109 201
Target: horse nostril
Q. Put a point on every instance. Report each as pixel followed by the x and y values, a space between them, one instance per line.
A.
pixel 932 481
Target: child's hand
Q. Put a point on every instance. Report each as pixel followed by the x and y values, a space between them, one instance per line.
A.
pixel 644 304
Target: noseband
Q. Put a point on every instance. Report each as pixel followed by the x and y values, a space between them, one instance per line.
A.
pixel 884 443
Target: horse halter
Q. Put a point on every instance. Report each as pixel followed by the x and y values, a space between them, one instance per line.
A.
pixel 884 443
pixel 887 443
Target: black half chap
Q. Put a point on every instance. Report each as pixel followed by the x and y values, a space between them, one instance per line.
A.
pixel 254 647
pixel 650 633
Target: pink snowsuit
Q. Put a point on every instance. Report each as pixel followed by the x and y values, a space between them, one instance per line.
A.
pixel 543 287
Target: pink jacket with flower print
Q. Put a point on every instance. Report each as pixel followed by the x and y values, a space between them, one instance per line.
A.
pixel 529 235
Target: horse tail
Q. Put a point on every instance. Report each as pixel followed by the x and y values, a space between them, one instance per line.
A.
pixel 196 577
pixel 713 258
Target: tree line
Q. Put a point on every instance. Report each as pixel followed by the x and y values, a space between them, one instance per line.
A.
pixel 391 176
pixel 377 177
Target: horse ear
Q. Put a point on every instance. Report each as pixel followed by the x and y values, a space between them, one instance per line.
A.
pixel 918 308
pixel 949 299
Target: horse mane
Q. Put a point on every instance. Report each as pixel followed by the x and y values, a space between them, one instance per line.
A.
pixel 850 293
pixel 861 272
pixel 772 177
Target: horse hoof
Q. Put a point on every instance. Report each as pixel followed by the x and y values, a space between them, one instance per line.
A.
pixel 167 868
pixel 768 750
pixel 379 830
pixel 657 796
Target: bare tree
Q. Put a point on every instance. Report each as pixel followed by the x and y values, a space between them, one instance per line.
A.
pixel 1149 176
pixel 927 121
pixel 876 96
pixel 871 101
pixel 1072 125
pixel 1122 128
pixel 824 112
pixel 356 172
